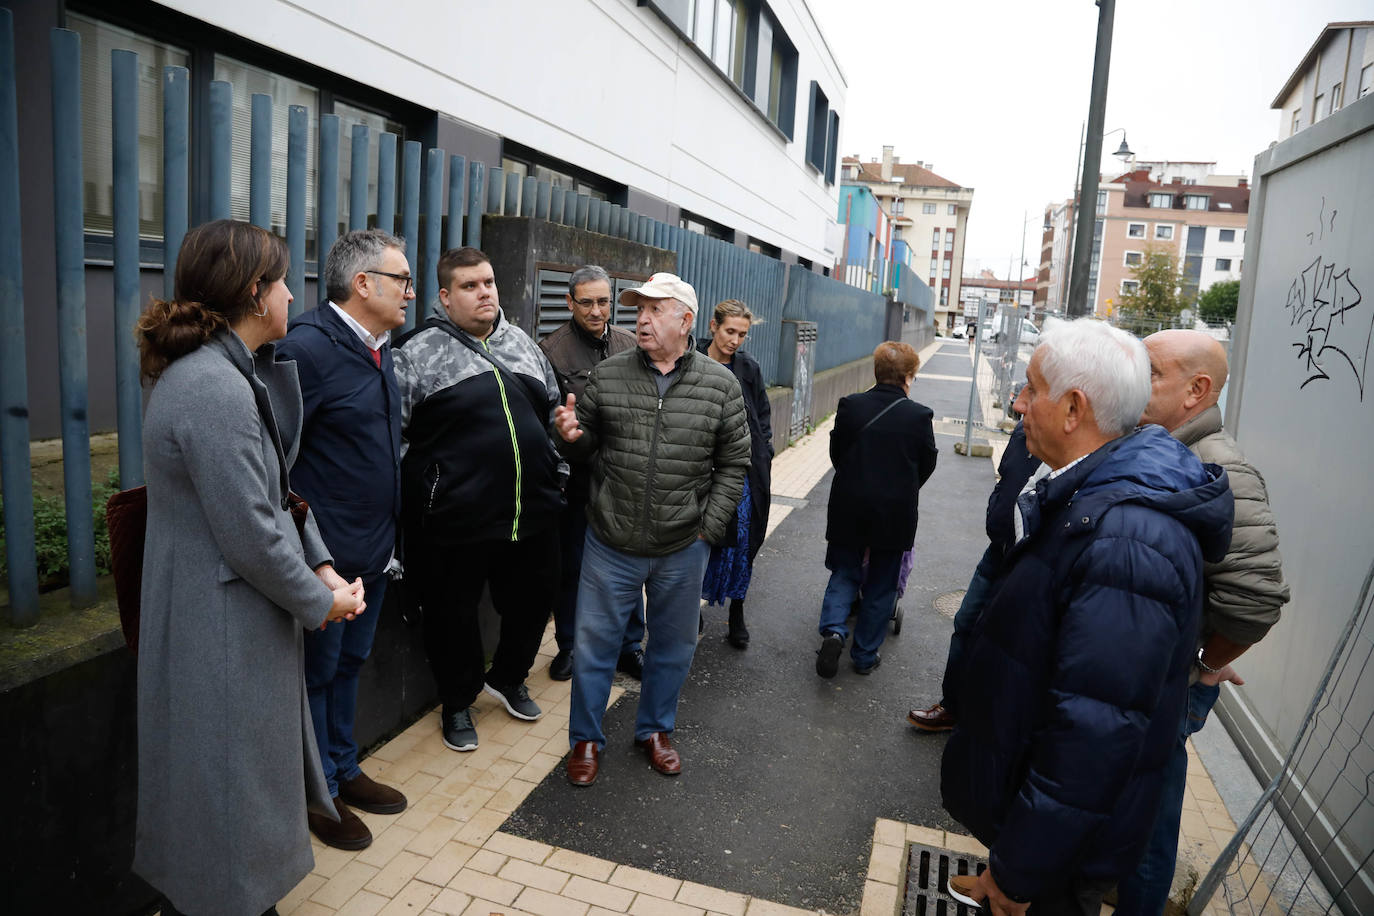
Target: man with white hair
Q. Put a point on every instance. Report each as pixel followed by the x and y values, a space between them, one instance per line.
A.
pixel 668 430
pixel 1075 678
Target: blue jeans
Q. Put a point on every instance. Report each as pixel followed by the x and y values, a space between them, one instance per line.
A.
pixel 965 619
pixel 333 658
pixel 572 530
pixel 1145 892
pixel 879 597
pixel 611 586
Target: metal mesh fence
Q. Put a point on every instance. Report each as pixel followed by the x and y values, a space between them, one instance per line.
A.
pixel 1305 846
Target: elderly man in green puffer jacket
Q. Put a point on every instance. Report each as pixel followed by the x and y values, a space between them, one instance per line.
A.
pixel 665 432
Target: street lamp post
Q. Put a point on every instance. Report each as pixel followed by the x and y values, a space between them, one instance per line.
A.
pixel 1123 152
pixel 1087 202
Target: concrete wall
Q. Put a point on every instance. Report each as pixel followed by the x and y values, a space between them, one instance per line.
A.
pixel 1301 405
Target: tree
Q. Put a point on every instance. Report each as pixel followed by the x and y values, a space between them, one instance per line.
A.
pixel 1157 296
pixel 1219 303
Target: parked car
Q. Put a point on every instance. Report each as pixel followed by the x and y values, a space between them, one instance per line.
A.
pixel 961 331
pixel 1029 332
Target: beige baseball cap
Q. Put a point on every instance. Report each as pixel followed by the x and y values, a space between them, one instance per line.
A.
pixel 662 286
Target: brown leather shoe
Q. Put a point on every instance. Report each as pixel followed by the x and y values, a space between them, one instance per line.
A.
pixel 662 757
pixel 583 764
pixel 934 719
pixel 349 832
pixel 364 793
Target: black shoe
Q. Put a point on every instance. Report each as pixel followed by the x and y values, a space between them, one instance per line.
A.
pixel 631 663
pixel 738 635
pixel 560 669
pixel 828 655
pixel 868 669
pixel 516 700
pixel 459 732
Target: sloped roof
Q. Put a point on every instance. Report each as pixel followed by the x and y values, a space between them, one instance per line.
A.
pixel 1138 195
pixel 1311 53
pixel 907 173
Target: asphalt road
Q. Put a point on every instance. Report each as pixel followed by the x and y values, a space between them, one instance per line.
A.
pixel 784 773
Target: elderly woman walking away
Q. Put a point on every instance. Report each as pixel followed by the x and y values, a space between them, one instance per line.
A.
pixel 727 574
pixel 226 753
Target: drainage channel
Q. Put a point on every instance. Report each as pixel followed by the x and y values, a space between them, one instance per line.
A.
pixel 927 870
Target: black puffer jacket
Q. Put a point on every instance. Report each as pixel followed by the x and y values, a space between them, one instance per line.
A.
pixel 664 470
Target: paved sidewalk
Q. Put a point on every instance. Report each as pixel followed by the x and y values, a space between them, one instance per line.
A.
pixel 447 854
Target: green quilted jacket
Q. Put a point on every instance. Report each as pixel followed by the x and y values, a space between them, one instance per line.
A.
pixel 664 470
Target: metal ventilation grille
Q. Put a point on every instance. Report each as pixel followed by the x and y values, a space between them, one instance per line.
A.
pixel 927 870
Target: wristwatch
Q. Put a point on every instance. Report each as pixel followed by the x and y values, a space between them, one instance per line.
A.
pixel 1203 665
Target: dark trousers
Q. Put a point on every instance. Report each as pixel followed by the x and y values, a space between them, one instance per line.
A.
pixel 572 526
pixel 333 658
pixel 1083 897
pixel 523 578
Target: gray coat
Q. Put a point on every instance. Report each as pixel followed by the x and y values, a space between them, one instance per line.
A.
pixel 226 752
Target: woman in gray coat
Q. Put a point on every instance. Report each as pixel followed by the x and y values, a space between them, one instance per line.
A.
pixel 227 761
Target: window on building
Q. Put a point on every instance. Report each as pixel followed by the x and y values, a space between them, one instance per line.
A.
pixel 1134 258
pixel 1317 107
pixel 935 239
pixel 1135 230
pixel 1129 286
pixel 899 207
pixel 350 115
pixel 1161 200
pixel 1335 98
pixel 953 210
pixel 945 268
pixel 1101 202
pixel 98 39
pixel 897 233
pixel 1164 233
pixel 818 128
pixel 1226 235
pixel 928 209
pixel 1224 264
pixel 1297 120
pixel 832 146
pixel 775 72
pixel 1366 79
pixel 949 240
pixel 934 266
pixel 1195 201
pixel 944 295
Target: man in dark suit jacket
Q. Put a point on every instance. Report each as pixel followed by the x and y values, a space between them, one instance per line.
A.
pixel 348 470
pixel 883 450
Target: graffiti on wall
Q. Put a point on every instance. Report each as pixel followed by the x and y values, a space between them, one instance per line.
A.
pixel 1325 308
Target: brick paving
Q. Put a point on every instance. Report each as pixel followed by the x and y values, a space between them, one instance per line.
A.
pixel 446 854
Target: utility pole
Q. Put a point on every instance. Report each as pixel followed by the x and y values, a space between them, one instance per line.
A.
pixel 1092 162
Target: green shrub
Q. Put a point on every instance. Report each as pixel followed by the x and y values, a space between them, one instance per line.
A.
pixel 50 534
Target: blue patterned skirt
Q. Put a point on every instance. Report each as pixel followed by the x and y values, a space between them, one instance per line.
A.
pixel 728 572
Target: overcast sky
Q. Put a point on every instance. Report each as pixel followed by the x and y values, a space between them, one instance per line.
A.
pixel 994 92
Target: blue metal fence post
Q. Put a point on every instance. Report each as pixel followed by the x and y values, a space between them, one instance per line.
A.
pixel 260 162
pixel 410 215
pixel 496 187
pixel 357 178
pixel 556 201
pixel 543 191
pixel 386 181
pixel 512 206
pixel 529 191
pixel 476 184
pixel 21 556
pixel 296 127
pixel 457 180
pixel 70 250
pixel 428 293
pixel 580 213
pixel 221 118
pixel 327 213
pixel 176 170
pixel 124 137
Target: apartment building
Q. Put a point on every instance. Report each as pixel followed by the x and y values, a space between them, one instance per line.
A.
pixel 922 205
pixel 1335 71
pixel 1203 224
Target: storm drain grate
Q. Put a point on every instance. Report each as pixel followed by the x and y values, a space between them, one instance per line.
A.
pixel 948 603
pixel 927 870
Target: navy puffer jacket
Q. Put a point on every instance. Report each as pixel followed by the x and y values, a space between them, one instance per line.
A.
pixel 1075 679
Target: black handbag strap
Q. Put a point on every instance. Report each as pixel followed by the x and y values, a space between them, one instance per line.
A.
pixel 540 410
pixel 864 429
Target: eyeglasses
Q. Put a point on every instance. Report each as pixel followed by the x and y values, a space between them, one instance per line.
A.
pixel 604 302
pixel 407 281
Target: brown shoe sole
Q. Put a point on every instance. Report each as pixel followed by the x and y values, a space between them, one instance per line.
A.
pixel 927 727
